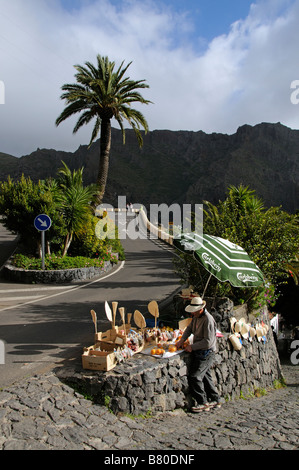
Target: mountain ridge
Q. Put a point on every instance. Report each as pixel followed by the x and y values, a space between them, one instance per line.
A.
pixel 182 166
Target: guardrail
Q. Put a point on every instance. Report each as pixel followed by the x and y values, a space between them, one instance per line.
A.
pixel 157 232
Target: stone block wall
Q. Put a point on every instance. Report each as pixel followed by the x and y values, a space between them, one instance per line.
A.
pixel 145 384
pixel 60 276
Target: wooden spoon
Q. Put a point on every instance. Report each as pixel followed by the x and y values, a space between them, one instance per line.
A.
pixel 94 319
pixel 139 320
pixel 114 307
pixel 122 314
pixel 153 309
pixel 108 312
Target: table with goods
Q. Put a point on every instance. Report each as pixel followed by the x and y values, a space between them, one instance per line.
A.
pixel 122 342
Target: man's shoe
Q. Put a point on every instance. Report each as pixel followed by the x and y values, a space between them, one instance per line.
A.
pixel 199 408
pixel 215 404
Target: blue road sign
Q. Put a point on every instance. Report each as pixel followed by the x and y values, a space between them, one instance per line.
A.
pixel 42 222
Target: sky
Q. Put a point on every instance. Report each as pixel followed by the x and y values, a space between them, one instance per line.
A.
pixel 211 65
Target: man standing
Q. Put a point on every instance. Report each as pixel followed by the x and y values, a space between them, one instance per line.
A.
pixel 203 328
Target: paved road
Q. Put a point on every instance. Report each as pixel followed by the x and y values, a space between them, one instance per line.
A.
pixel 42 325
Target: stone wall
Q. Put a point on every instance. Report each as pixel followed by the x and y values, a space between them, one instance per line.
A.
pixel 60 276
pixel 146 384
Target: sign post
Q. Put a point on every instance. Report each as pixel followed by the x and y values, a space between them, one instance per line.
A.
pixel 42 223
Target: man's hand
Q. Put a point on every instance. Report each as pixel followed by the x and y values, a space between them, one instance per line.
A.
pixel 188 348
pixel 179 344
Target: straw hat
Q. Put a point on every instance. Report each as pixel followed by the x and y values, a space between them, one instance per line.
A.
pixel 252 333
pixel 235 341
pixel 196 304
pixel 259 332
pixel 239 325
pixel 245 330
pixel 233 321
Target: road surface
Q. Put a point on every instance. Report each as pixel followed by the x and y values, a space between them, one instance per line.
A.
pixel 41 325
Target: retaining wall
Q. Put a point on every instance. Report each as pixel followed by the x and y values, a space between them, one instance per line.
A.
pixel 14 274
pixel 144 383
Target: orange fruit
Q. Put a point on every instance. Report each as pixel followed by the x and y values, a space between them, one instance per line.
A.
pixel 172 348
pixel 153 352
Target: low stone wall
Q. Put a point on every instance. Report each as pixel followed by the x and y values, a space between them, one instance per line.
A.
pixel 14 274
pixel 145 384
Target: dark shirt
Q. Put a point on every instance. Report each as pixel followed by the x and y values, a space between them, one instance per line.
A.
pixel 204 330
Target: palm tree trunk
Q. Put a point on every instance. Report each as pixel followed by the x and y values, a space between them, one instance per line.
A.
pixel 104 159
pixel 67 243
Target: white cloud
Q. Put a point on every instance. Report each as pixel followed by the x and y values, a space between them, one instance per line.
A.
pixel 242 77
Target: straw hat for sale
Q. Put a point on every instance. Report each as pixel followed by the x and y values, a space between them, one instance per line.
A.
pixel 245 330
pixel 259 333
pixel 252 333
pixel 196 304
pixel 239 326
pixel 235 341
pixel 233 321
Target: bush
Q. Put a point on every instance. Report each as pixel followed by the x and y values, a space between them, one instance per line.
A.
pixel 55 262
pixel 86 243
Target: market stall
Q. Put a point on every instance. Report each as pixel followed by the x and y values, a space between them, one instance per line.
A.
pixel 121 343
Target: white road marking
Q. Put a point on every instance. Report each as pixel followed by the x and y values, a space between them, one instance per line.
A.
pixel 61 293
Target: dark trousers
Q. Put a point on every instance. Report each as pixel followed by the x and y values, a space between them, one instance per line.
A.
pixel 200 380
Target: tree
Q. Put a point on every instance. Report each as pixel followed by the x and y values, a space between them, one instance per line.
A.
pixel 65 200
pixel 101 93
pixel 270 237
pixel 74 202
pixel 21 201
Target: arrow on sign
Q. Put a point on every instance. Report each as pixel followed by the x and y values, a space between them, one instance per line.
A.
pixel 43 222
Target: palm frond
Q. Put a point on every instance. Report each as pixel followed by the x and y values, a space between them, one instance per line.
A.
pixel 95 131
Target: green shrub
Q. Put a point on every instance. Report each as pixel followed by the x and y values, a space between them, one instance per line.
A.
pixel 55 262
pixel 86 243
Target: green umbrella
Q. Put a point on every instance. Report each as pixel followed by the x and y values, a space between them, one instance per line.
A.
pixel 222 259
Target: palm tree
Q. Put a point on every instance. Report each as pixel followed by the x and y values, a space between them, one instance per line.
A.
pixel 74 201
pixel 244 199
pixel 101 93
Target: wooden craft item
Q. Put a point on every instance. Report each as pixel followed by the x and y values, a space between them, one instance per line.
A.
pixel 153 309
pixel 94 319
pixel 139 320
pixel 122 314
pixel 108 313
pixel 184 323
pixel 114 308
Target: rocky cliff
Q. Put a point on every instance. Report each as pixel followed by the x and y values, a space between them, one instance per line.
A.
pixel 183 166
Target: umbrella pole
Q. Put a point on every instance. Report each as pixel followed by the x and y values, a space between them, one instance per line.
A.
pixel 206 285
